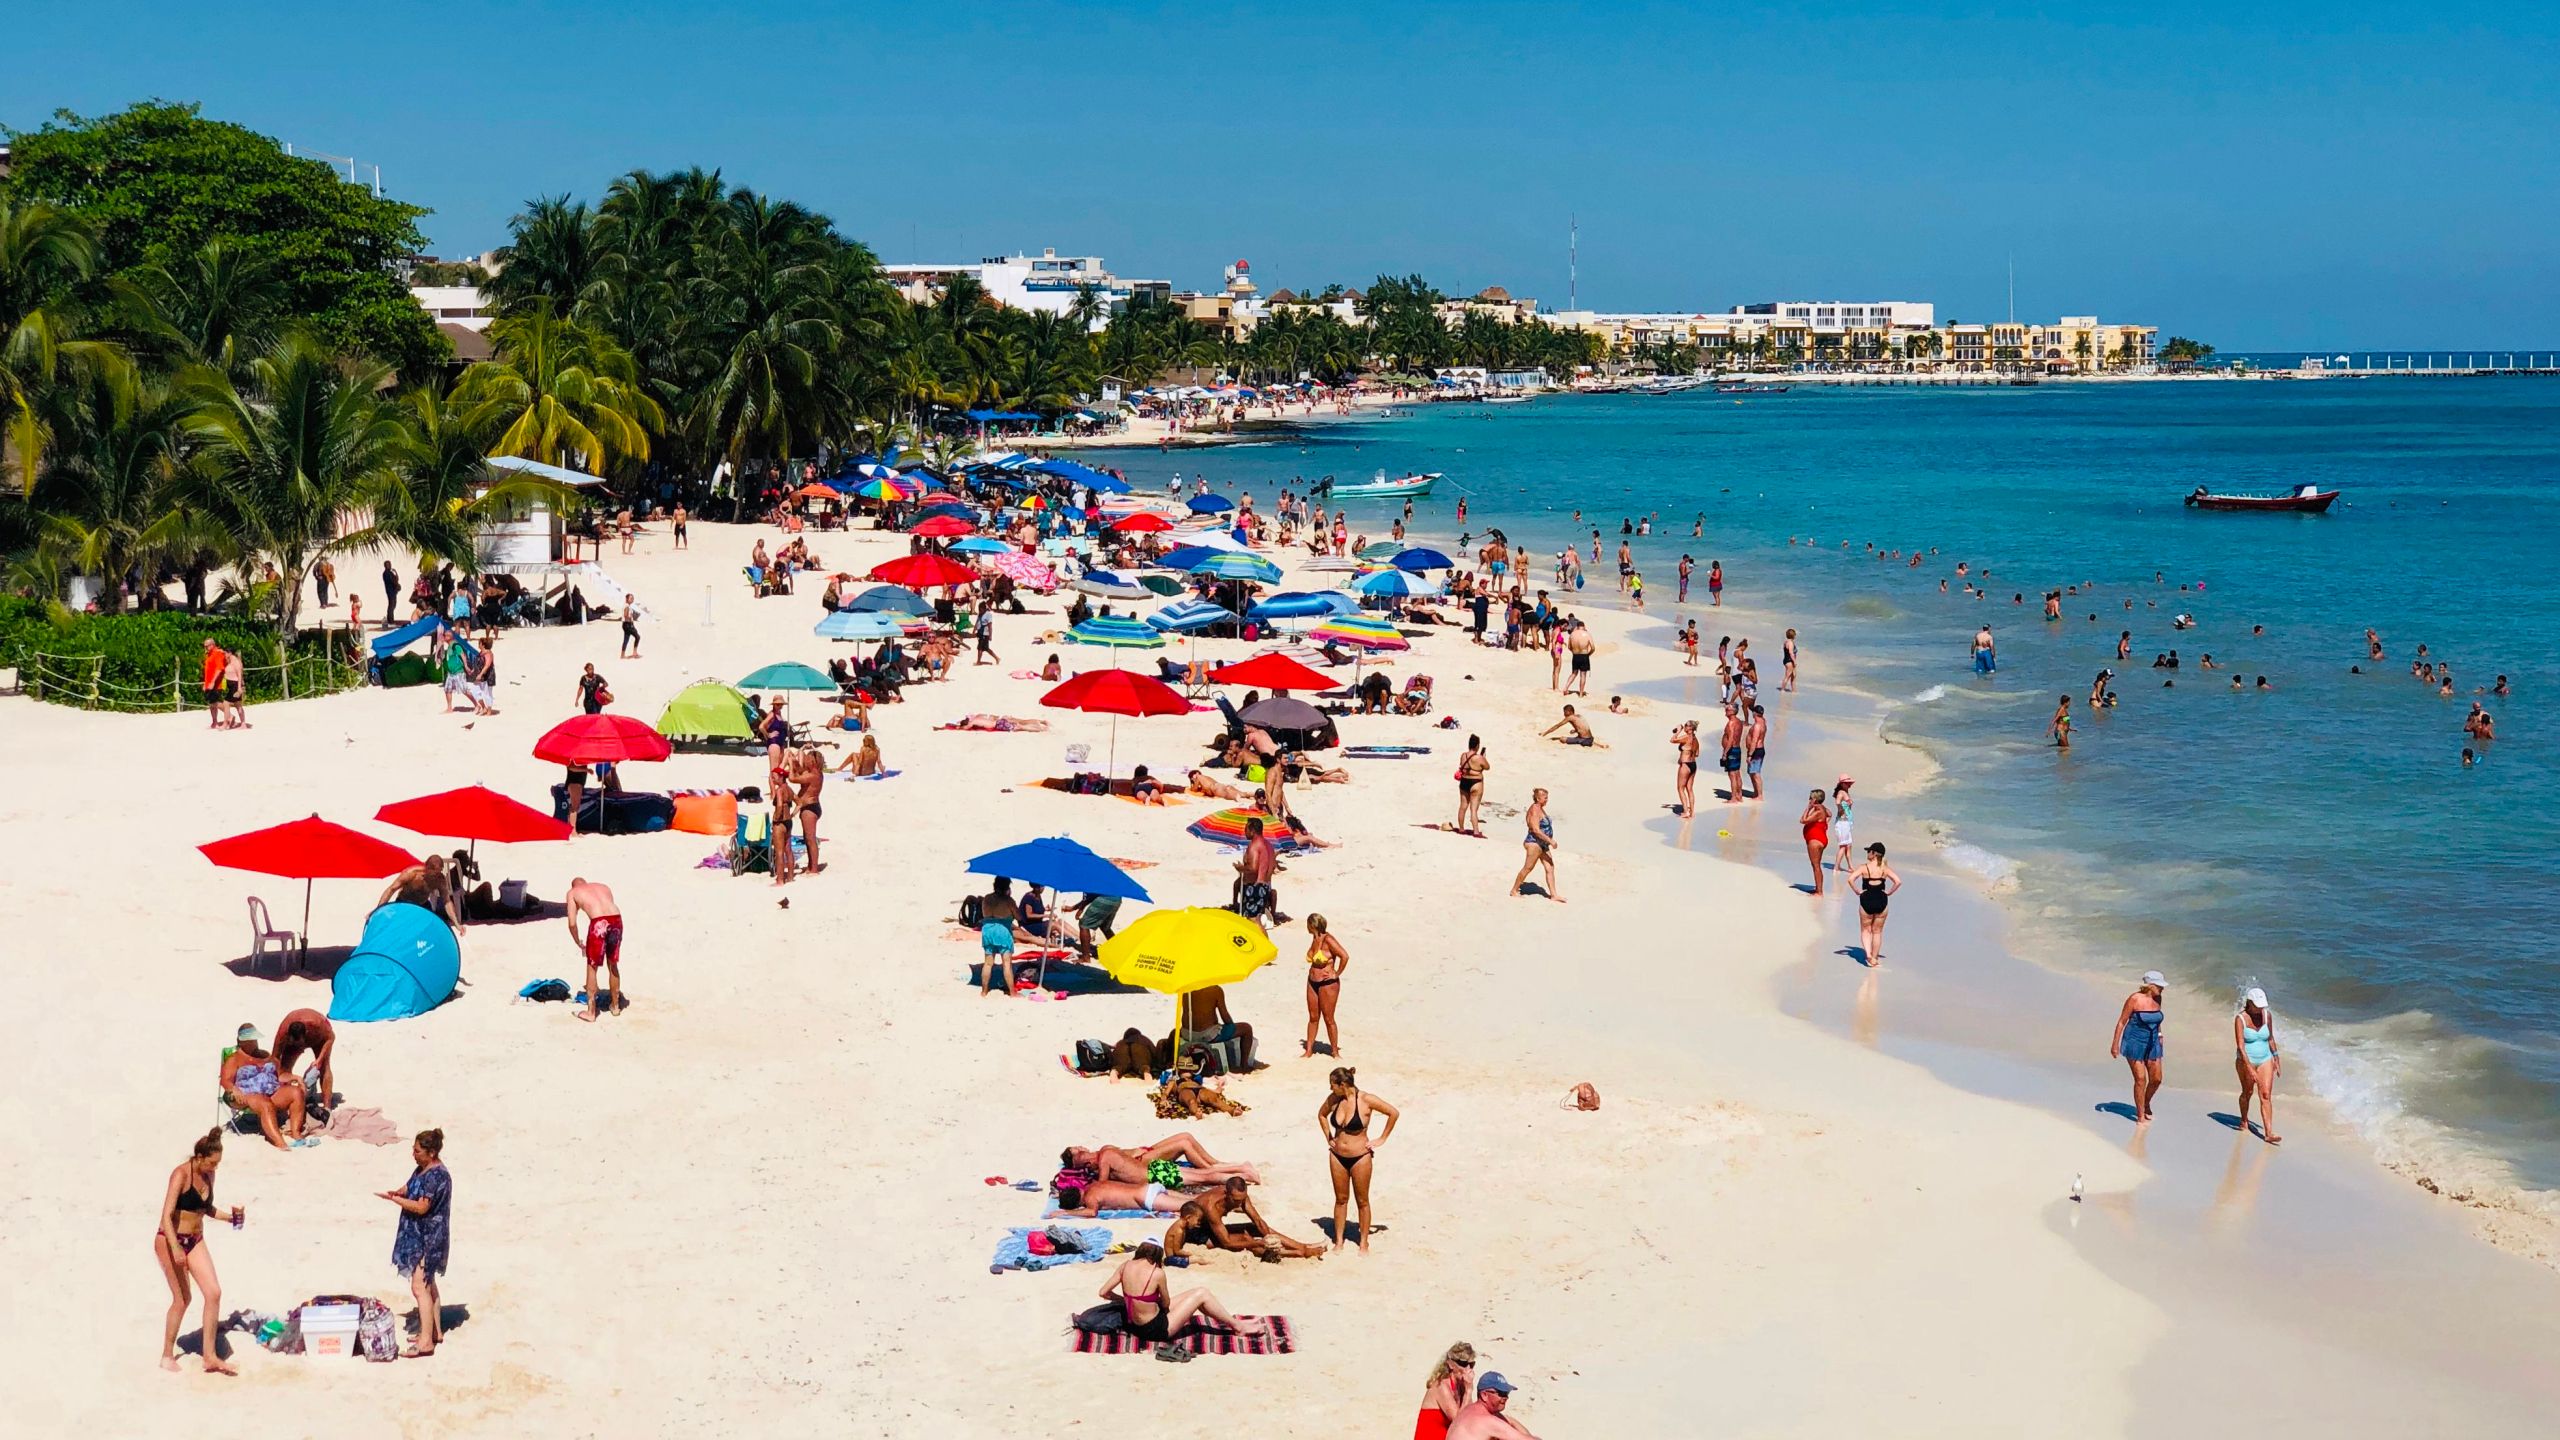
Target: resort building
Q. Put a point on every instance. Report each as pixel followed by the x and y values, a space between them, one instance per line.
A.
pixel 1047 282
pixel 464 307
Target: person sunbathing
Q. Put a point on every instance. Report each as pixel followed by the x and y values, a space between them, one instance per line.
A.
pixel 253 1081
pixel 1005 723
pixel 1225 1219
pixel 1113 1162
pixel 864 760
pixel 1091 1200
pixel 1204 783
pixel 1156 1314
pixel 1145 788
pixel 852 713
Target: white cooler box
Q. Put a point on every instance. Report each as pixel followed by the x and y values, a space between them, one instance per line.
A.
pixel 330 1329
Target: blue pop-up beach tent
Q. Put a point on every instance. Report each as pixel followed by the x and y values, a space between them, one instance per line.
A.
pixel 406 965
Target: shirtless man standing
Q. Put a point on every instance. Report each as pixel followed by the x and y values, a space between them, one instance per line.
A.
pixel 602 944
pixel 1729 747
pixel 1755 744
pixel 1580 648
pixel 1484 1418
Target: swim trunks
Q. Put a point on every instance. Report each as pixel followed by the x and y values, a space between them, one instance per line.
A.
pixel 1581 664
pixel 1756 757
pixel 604 940
pixel 1733 758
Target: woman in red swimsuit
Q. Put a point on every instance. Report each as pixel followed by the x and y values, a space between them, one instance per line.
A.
pixel 1816 821
pixel 1446 1392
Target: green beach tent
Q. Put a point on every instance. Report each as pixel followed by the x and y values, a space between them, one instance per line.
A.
pixel 706 710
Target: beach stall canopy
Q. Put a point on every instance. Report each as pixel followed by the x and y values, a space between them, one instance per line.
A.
pixel 788 675
pixel 861 625
pixel 1060 864
pixel 1082 475
pixel 406 965
pixel 707 710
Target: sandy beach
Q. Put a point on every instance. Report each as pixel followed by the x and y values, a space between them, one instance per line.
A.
pixel 1816 1199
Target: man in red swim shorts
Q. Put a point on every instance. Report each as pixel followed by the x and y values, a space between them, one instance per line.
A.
pixel 602 944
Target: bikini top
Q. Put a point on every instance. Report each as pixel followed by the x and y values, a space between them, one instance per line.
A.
pixel 190 1198
pixel 1358 1122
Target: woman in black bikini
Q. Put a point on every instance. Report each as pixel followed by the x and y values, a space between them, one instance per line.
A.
pixel 1326 960
pixel 179 1244
pixel 1875 883
pixel 1153 1314
pixel 1471 768
pixel 1344 1118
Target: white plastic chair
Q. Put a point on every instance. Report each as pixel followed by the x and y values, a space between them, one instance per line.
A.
pixel 263 933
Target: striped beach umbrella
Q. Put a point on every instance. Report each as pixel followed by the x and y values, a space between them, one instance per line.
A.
pixel 1234 566
pixel 861 625
pixel 874 490
pixel 1118 633
pixel 1187 615
pixel 1226 827
pixel 1111 585
pixel 1359 632
pixel 1394 584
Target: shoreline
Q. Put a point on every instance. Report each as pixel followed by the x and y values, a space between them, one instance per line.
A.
pixel 788 1133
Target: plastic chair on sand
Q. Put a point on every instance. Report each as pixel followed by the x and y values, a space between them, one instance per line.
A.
pixel 263 933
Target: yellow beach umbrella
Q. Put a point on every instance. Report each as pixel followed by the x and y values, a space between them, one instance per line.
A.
pixel 1179 951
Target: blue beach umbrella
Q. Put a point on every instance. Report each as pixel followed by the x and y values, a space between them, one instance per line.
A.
pixel 1229 565
pixel 787 675
pixel 1304 605
pixel 1188 615
pixel 1421 558
pixel 889 600
pixel 1211 504
pixel 1111 585
pixel 1387 584
pixel 1060 864
pixel 1183 557
pixel 860 625
pixel 1118 632
pixel 978 545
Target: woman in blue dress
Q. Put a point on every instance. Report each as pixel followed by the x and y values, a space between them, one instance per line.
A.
pixel 2137 1040
pixel 425 1240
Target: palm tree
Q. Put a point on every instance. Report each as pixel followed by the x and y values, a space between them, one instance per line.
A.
pixel 565 394
pixel 551 255
pixel 218 307
pixel 769 299
pixel 44 254
pixel 293 461
pixel 2080 349
pixel 112 501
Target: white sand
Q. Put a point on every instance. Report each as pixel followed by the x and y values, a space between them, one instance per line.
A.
pixel 756 1201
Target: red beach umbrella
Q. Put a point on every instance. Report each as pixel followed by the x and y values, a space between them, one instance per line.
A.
pixel 474 813
pixel 1272 672
pixel 1141 522
pixel 942 527
pixel 308 850
pixel 921 572
pixel 586 739
pixel 1116 693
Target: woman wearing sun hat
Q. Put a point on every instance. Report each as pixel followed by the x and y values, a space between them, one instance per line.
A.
pixel 2137 1040
pixel 2259 1062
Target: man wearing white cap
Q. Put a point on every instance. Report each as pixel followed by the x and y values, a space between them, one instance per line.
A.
pixel 2137 1040
pixel 1484 1418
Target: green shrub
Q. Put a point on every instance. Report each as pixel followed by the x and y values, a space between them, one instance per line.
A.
pixel 147 659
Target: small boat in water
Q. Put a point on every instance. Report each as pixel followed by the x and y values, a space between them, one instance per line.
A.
pixel 1379 488
pixel 1752 388
pixel 2305 500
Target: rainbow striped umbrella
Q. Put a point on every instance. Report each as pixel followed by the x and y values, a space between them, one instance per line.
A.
pixel 874 490
pixel 1226 827
pixel 1360 633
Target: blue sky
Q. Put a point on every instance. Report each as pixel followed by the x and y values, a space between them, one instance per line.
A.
pixel 2264 176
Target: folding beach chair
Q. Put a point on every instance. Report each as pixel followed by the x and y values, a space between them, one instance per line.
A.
pixel 751 845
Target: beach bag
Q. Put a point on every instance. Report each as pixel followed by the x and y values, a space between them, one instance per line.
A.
pixel 973 911
pixel 1062 1241
pixel 1092 782
pixel 1103 1319
pixel 551 991
pixel 1093 1057
pixel 377 1332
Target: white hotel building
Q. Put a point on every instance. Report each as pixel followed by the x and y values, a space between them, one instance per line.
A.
pixel 1047 282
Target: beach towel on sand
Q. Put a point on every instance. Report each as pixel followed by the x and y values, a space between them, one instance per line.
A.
pixel 1200 1337
pixel 1110 1215
pixel 1013 1252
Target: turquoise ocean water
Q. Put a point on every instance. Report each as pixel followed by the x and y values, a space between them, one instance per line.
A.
pixel 2320 837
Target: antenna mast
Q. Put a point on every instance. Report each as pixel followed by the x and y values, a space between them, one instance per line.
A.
pixel 1573 262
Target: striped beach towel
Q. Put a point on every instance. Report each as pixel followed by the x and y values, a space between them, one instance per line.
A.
pixel 1200 1337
